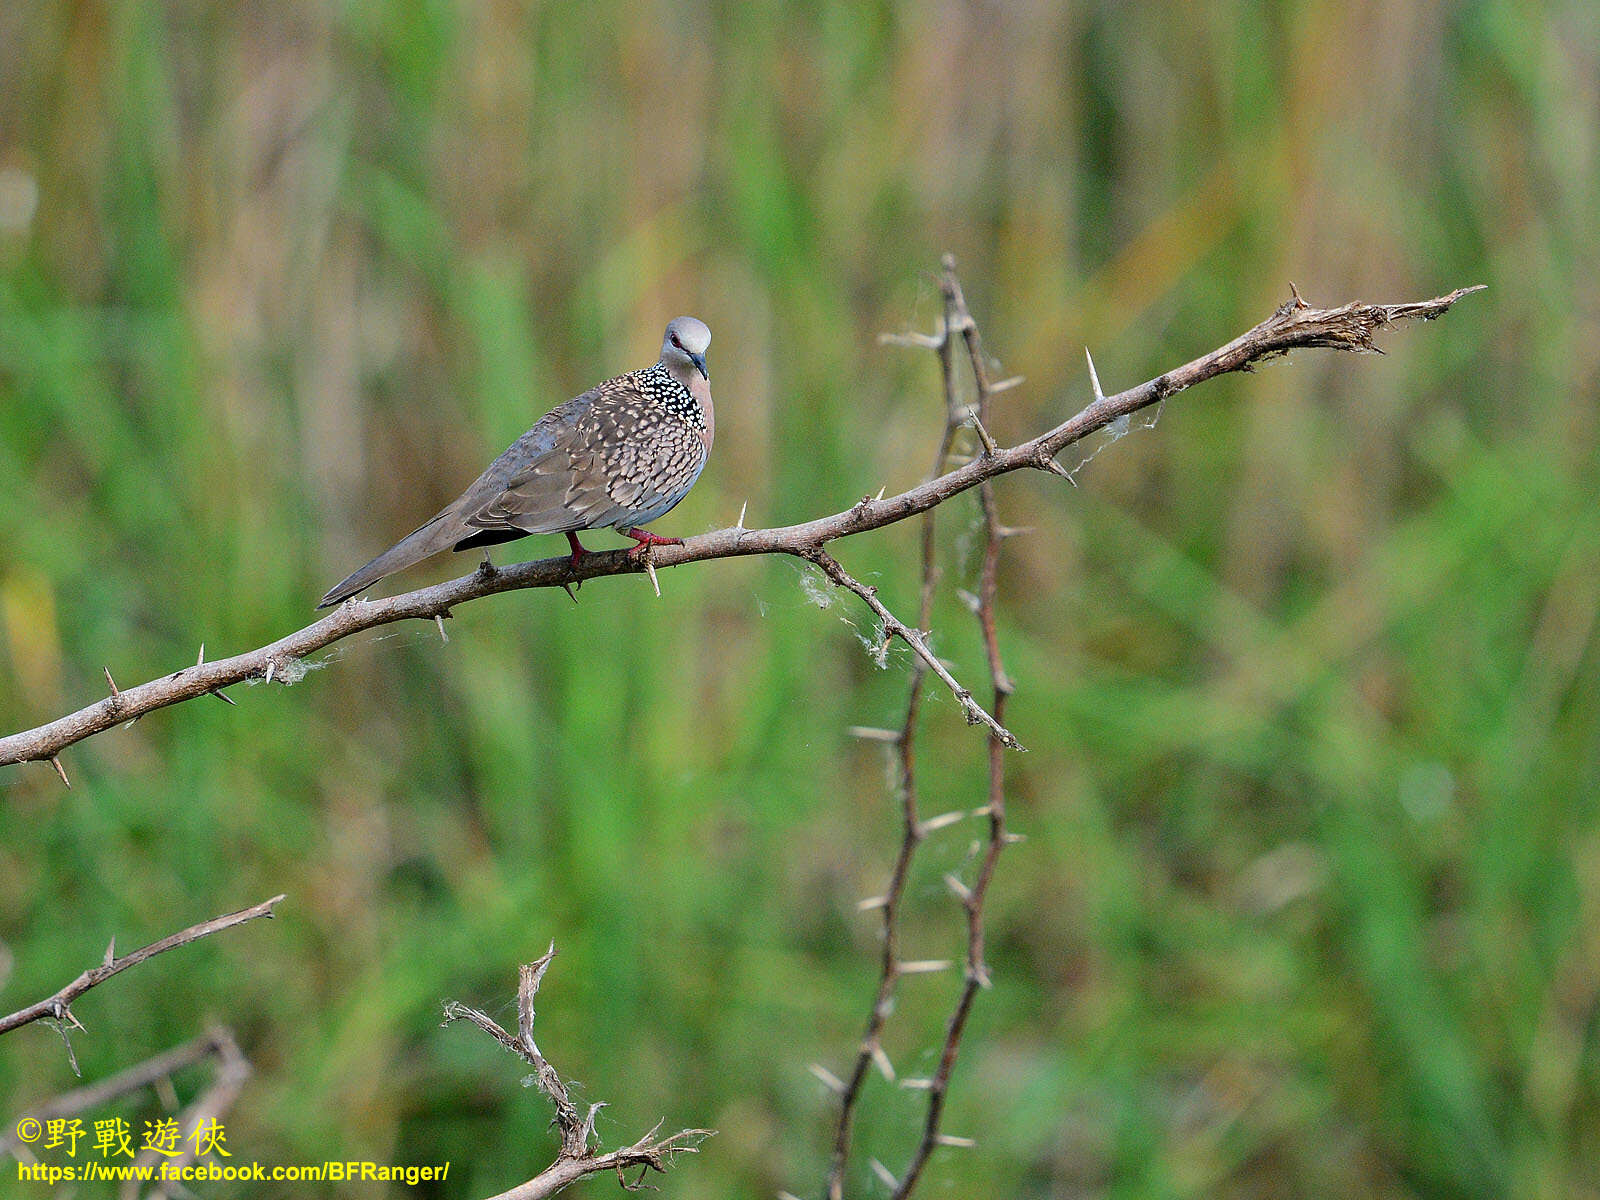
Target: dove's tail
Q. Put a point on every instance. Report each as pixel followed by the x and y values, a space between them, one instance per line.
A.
pixel 438 534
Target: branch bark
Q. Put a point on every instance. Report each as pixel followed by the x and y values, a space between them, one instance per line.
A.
pixel 1294 325
pixel 578 1156
pixel 58 1007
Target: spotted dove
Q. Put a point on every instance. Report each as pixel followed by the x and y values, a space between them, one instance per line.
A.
pixel 618 456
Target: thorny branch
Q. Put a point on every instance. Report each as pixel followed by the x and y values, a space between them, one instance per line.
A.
pixel 976 975
pixel 1295 324
pixel 958 322
pixel 915 638
pixel 58 1008
pixel 579 1156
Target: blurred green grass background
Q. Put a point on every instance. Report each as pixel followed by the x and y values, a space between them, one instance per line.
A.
pixel 1310 901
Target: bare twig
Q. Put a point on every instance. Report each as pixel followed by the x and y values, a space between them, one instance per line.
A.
pixel 1294 325
pixel 912 828
pixel 58 1008
pixel 958 322
pixel 975 713
pixel 976 975
pixel 579 1156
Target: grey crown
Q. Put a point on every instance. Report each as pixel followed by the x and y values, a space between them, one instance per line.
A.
pixel 619 456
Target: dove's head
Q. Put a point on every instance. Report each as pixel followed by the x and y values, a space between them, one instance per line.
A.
pixel 685 344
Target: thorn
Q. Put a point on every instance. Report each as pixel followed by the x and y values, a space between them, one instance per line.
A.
pixel 920 341
pixel 72 1056
pixel 829 1080
pixel 868 733
pixel 916 1085
pixel 201 660
pixel 961 890
pixel 1011 531
pixel 881 491
pixel 588 1121
pixel 1055 468
pixel 923 966
pixel 943 819
pixel 438 619
pixel 223 696
pixel 571 595
pixel 61 771
pixel 111 952
pixel 881 1061
pixel 743 505
pixel 871 902
pixel 650 570
pixel 1295 292
pixel 1005 385
pixel 539 966
pixel 1011 839
pixel 950 1139
pixel 65 1015
pixel 969 599
pixel 1094 376
pixel 112 684
pixel 990 446
pixel 883 1173
pixel 272 667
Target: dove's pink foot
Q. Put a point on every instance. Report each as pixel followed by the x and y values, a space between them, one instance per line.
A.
pixel 646 539
pixel 577 549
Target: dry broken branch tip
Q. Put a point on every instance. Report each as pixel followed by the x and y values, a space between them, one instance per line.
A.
pixel 580 1154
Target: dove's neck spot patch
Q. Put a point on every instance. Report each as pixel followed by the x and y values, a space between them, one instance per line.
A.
pixel 658 384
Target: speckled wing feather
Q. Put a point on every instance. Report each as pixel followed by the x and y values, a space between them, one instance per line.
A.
pixel 618 458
